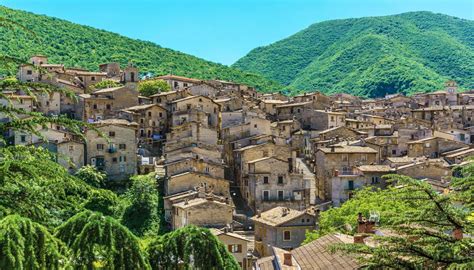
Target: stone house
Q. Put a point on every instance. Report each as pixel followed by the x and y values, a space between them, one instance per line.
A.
pixel 182 109
pixel 230 104
pixel 323 120
pixel 434 169
pixel 290 110
pixel 344 185
pixel 203 212
pixel 189 133
pixel 200 165
pixel 151 119
pixel 179 82
pixel 284 129
pixel 252 152
pixel 116 155
pixel 191 180
pixel 274 182
pixel 459 155
pixel 105 103
pixel 281 227
pixel 48 103
pixel 237 245
pixel 445 117
pixel 340 160
pixel 432 147
pixel 203 89
pixel 164 99
pixel 269 106
pixel 21 102
pixel 68 153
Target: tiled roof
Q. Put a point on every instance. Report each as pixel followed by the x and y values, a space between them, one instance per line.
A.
pixel 316 255
pixel 349 149
pixel 278 216
pixel 375 168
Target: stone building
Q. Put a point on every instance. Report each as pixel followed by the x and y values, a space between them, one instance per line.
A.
pixel 432 147
pixel 203 212
pixel 179 82
pixel 283 228
pixel 105 103
pixel 187 108
pixel 274 182
pixel 192 180
pixel 115 150
pixel 237 245
pixel 151 119
pixel 340 161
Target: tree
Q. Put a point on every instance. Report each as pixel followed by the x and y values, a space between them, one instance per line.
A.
pixel 25 244
pixel 193 247
pixel 96 240
pixel 33 185
pixel 91 176
pixel 103 201
pixel 429 233
pixel 105 84
pixel 142 215
pixel 364 201
pixel 151 87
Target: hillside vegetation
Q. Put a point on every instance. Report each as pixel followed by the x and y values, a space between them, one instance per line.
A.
pixel 371 56
pixel 87 47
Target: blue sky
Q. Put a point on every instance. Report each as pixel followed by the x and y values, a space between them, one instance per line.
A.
pixel 223 30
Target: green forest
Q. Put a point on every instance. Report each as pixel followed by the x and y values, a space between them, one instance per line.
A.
pixel 82 46
pixel 371 56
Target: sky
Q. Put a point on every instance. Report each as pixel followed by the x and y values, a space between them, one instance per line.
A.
pixel 223 30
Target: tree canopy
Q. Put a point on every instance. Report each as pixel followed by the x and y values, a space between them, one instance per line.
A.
pixel 193 248
pixel 151 87
pixel 371 56
pixel 424 229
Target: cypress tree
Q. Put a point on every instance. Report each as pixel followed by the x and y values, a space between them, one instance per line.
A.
pixel 101 241
pixel 191 248
pixel 25 244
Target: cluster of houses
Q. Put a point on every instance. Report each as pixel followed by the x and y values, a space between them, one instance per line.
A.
pixel 256 168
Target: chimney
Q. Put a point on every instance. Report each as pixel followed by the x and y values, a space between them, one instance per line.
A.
pixel 287 259
pixel 259 214
pixel 457 233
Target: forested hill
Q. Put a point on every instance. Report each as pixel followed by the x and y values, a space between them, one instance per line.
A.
pixel 87 47
pixel 371 56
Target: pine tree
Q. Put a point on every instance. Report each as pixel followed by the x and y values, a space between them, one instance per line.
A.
pixel 430 234
pixel 190 248
pixel 25 244
pixel 96 240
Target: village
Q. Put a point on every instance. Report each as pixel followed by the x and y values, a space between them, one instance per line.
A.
pixel 256 168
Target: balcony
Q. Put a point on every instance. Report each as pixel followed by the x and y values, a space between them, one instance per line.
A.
pixel 112 149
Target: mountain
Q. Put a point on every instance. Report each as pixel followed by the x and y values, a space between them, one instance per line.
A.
pixel 87 47
pixel 371 56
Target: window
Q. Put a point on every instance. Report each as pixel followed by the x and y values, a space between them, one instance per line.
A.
pixel 111 133
pixel 29 72
pixel 266 195
pixel 123 159
pixel 255 126
pixel 176 85
pixel 94 106
pixel 92 78
pixel 142 120
pixel 363 157
pixel 200 99
pixel 375 179
pixel 122 146
pixel 149 114
pixel 280 179
pixel 234 248
pixel 345 157
pixel 100 146
pixel 71 147
pixel 280 195
pixel 185 84
pixel 108 106
pixel 23 138
pixel 114 160
pixel 394 152
pixel 286 236
pixel 265 179
pixel 351 185
pixel 161 114
pixel 332 118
